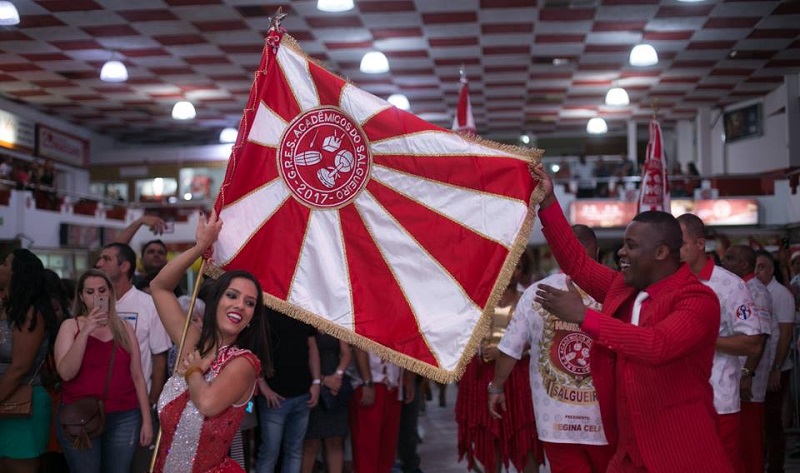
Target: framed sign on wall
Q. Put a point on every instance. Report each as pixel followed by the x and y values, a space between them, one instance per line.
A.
pixel 742 123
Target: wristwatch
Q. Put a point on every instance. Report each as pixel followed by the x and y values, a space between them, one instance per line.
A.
pixel 339 372
pixel 493 390
pixel 316 381
pixel 747 373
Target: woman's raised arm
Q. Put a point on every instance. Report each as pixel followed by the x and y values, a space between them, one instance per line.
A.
pixel 161 288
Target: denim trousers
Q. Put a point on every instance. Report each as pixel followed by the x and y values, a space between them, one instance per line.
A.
pixel 111 452
pixel 282 425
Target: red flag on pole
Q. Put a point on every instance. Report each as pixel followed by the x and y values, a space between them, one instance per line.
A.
pixel 367 222
pixel 654 188
pixel 464 122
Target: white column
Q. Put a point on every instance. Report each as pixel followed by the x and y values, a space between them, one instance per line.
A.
pixel 792 118
pixel 632 144
pixel 703 126
pixel 686 151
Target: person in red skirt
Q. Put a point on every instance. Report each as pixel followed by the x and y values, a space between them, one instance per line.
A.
pixel 489 443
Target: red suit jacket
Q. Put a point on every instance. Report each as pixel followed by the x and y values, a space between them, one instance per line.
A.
pixel 665 362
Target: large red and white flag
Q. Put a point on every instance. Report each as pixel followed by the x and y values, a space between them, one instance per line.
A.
pixel 368 222
pixel 654 188
pixel 464 122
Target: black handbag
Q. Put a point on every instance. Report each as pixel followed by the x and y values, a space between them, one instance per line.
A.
pixel 331 401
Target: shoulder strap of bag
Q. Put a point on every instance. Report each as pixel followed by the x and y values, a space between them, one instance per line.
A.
pixel 110 369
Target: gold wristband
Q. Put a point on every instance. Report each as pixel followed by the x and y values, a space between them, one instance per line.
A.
pixel 190 371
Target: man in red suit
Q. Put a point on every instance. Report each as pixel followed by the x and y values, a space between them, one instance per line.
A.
pixel 653 342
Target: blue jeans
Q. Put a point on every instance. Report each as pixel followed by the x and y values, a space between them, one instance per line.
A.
pixel 286 423
pixel 111 452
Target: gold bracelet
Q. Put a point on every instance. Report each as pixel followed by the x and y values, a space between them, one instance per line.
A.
pixel 190 371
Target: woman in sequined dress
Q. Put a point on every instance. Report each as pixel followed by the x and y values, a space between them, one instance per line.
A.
pixel 490 444
pixel 203 403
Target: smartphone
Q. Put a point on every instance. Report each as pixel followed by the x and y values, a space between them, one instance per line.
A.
pixel 101 301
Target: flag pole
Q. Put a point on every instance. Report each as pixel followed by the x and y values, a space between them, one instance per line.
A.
pixel 195 291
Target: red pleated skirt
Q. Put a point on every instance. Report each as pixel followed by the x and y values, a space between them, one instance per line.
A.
pixel 485 439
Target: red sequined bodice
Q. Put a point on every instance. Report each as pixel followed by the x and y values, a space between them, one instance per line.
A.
pixel 190 441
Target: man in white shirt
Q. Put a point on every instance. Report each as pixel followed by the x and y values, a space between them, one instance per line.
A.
pixel 783 306
pixel 739 333
pixel 585 175
pixel 567 413
pixel 118 261
pixel 741 260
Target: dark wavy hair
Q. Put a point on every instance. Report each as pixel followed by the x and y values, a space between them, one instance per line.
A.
pixel 27 289
pixel 255 337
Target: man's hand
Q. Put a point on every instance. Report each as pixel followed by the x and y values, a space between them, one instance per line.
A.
pixel 746 388
pixel 154 223
pixel 547 184
pixel 494 401
pixel 774 383
pixel 566 305
pixel 314 392
pixel 367 396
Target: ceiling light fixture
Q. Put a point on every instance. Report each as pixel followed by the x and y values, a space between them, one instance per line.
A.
pixel 9 15
pixel 228 135
pixel 643 55
pixel 374 62
pixel 114 71
pixel 597 126
pixel 183 110
pixel 617 97
pixel 525 139
pixel 334 5
pixel 400 101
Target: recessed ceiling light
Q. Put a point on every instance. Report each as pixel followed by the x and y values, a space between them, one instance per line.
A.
pixel 643 55
pixel 228 135
pixel 334 5
pixel 114 71
pixel 400 101
pixel 183 110
pixel 9 15
pixel 525 139
pixel 374 62
pixel 617 97
pixel 597 126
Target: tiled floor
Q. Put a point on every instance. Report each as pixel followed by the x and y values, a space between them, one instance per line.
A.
pixel 440 455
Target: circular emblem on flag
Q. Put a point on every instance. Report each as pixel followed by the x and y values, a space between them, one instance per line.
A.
pixel 573 353
pixel 324 158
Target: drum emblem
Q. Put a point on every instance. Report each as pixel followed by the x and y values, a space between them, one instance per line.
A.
pixel 324 158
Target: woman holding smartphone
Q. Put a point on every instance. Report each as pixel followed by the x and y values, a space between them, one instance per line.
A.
pixel 83 353
pixel 202 405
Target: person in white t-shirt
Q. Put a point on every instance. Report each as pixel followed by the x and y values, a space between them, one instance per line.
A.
pixel 783 306
pixel 740 333
pixel 567 413
pixel 118 261
pixel 741 260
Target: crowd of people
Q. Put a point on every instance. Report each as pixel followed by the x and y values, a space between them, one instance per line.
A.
pixel 670 362
pixel 36 176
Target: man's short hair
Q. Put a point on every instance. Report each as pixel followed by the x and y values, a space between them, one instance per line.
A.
pixel 745 254
pixel 666 227
pixel 125 253
pixel 154 242
pixel 694 226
